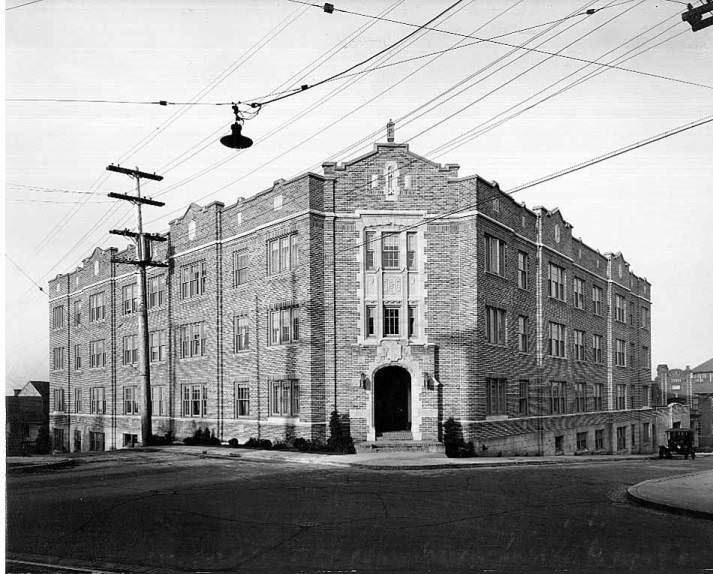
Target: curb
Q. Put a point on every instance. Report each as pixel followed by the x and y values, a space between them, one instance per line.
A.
pixel 28 468
pixel 634 495
pixel 489 464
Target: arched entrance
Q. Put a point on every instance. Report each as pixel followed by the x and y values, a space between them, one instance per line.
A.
pixel 392 400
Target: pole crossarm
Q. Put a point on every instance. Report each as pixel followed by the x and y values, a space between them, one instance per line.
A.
pixel 129 233
pixel 134 172
pixel 694 16
pixel 139 263
pixel 134 199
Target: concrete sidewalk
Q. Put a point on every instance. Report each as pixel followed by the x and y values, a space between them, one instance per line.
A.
pixel 37 463
pixel 688 493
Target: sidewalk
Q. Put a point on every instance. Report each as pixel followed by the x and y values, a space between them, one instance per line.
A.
pixel 38 463
pixel 688 493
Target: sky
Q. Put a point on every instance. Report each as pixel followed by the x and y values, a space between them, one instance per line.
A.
pixel 654 204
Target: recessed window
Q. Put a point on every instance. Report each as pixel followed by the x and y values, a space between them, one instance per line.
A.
pixel 191 230
pixel 496 397
pixel 282 254
pixel 370 327
pixel 242 400
pixel 157 346
pixel 558 397
pixel 194 401
pixel 392 323
pixel 284 325
pixel 58 358
pixel 96 271
pixel 557 233
pixel 97 311
pixel 598 397
pixel 128 298
pixel 578 289
pixel 241 333
pixel 131 349
pixel 580 397
pixel 557 280
pixel 240 267
pixel 522 330
pixel 131 406
pixel 411 251
pixel 620 308
pixel 523 264
pixel 284 398
pixel 277 202
pixel 558 337
pixel 97 401
pixel 97 354
pixel 495 325
pixel 597 295
pixel 193 279
pixel 523 397
pixel 390 250
pixel 494 255
pixel 597 348
pixel 58 317
pixel 579 345
pixel 157 291
pixel 192 340
pixel 412 326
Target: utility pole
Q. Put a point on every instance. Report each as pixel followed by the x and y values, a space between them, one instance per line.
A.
pixel 694 16
pixel 143 251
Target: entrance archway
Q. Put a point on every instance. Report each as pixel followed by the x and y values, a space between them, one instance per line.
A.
pixel 392 400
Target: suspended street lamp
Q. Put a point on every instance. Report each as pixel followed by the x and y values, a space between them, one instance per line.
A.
pixel 236 139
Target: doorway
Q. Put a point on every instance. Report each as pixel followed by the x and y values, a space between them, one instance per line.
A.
pixel 392 400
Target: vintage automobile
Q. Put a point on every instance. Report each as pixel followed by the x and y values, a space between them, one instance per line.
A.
pixel 678 441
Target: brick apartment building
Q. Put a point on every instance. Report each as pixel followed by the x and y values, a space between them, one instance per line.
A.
pixel 387 288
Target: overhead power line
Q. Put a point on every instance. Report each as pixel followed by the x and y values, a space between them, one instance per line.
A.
pixel 21 5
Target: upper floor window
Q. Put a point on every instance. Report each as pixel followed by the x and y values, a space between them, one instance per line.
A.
pixel 131 406
pixel 412 324
pixel 77 357
pixel 579 345
pixel 578 289
pixel 411 250
pixel 242 400
pixel 157 291
pixel 392 321
pixel 97 401
pixel 58 358
pixel 241 332
pixel 78 312
pixel 620 308
pixel 191 230
pixel 523 407
pixel 97 311
pixel 370 250
pixel 194 401
pixel 193 279
pixel 58 317
pixel 598 396
pixel 192 340
pixel 558 279
pixel 645 357
pixel 97 354
pixel 158 400
pixel 494 255
pixel 597 296
pixel 558 337
pixel 284 325
pixel 558 390
pixel 240 267
pixel 131 349
pixel 644 317
pixel 522 329
pixel 523 263
pixel 370 326
pixel 282 254
pixel 580 397
pixel 157 346
pixel 495 325
pixel 128 297
pixel 621 397
pixel 597 348
pixel 620 355
pixel 285 398
pixel 58 400
pixel 390 250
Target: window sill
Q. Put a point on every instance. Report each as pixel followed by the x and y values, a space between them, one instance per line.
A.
pixel 280 345
pixel 282 418
pixel 191 359
pixel 496 417
pixel 551 298
pixel 496 345
pixel 493 274
pixel 241 351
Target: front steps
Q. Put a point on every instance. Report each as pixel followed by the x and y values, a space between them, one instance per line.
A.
pixel 398 441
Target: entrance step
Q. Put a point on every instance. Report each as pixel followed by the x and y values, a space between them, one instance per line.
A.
pixel 382 445
pixel 395 435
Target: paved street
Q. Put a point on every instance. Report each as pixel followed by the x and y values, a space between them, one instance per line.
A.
pixel 174 512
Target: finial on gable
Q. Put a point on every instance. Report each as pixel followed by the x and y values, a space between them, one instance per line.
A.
pixel 390 131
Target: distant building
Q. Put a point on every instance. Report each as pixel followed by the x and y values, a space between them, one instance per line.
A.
pixel 675 384
pixel 387 288
pixel 27 414
pixel 702 407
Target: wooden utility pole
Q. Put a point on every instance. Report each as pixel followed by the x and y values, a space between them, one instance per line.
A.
pixel 694 16
pixel 143 251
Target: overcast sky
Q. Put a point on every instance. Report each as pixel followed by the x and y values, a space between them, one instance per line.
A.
pixel 654 204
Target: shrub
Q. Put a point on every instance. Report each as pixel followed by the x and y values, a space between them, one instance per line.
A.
pixel 202 437
pixel 456 447
pixel 280 445
pixel 340 439
pixel 233 443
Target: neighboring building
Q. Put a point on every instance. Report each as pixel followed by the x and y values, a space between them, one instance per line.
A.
pixel 388 289
pixel 702 407
pixel 675 384
pixel 26 415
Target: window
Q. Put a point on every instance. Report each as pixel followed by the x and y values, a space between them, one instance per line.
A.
pixel 633 436
pixel 523 406
pixel 620 438
pixel 240 267
pixel 96 440
pixel 390 250
pixel 495 325
pixel 523 263
pixel 631 357
pixel 241 331
pixel 157 346
pixel 411 250
pixel 598 393
pixel 96 307
pixel 129 439
pixel 494 255
pixel 194 403
pixel 131 350
pixel 578 289
pixel 522 329
pixel 620 357
pixel 581 441
pixel 496 397
pixel 599 439
pixel 621 397
pixel 58 400
pixel 284 398
pixel 282 254
pixel 597 296
pixel 557 278
pixel 559 440
pixel 158 400
pixel 631 396
pixel 97 401
pixel 58 439
pixel 645 357
pixel 412 311
pixel 644 317
pixel 597 348
pixel 557 397
pixel 579 345
pixel 193 279
pixel 192 340
pixel 77 357
pixel 558 336
pixel 242 400
pixel 284 325
pixel 580 397
pixel 369 250
pixel 77 440
pixel 370 321
pixel 391 321
pixel 645 396
pixel 646 433
pixel 128 298
pixel 157 291
pixel 78 312
pixel 620 309
pixel 58 317
pixel 58 358
pixel 131 407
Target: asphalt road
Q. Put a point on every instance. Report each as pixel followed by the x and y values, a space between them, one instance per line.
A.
pixel 161 512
